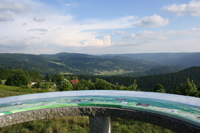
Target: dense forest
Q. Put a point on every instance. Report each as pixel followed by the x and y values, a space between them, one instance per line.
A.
pixel 73 63
pixel 144 83
pixel 147 83
pixel 172 59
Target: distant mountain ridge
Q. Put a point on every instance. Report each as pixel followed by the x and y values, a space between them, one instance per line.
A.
pixel 112 64
pixel 170 59
pixel 29 62
pixel 74 63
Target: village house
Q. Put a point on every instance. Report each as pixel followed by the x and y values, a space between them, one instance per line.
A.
pixel 74 82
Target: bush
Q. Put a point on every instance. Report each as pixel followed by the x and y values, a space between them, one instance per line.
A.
pixel 65 86
pixel 159 88
pixel 58 79
pixel 37 85
pixel 17 78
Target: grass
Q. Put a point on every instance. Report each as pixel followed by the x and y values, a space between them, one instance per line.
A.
pixel 119 125
pixel 114 72
pixel 56 125
pixel 78 124
pixel 6 91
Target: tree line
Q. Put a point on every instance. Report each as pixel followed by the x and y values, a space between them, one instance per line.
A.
pixel 147 83
pixel 18 77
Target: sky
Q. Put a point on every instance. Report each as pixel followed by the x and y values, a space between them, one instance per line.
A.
pixel 99 27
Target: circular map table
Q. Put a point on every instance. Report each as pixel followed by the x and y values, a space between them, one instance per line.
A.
pixel 175 112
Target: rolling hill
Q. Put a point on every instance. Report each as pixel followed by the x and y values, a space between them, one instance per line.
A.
pixel 74 63
pixel 118 64
pixel 169 59
pixel 148 83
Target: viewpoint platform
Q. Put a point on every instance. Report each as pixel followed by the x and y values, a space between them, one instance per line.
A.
pixel 175 112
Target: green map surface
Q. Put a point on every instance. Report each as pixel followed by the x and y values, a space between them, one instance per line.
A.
pixel 176 110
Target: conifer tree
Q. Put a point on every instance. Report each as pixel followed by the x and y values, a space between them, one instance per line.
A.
pixel 48 77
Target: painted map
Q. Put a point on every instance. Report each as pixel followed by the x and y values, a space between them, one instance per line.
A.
pixel 176 110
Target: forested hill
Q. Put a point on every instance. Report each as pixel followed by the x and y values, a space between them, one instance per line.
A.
pixel 29 62
pixel 148 83
pixel 74 64
pixel 156 71
pixel 108 65
pixel 173 59
pixel 66 55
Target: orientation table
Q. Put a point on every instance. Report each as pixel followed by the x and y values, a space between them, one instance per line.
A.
pixel 183 109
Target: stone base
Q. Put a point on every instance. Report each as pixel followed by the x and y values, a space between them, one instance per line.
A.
pixel 153 118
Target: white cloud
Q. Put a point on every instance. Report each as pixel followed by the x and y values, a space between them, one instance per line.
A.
pixel 192 8
pixel 35 37
pixel 24 24
pixel 147 36
pixel 38 29
pixel 160 41
pixel 8 8
pixel 125 43
pixel 152 38
pixel 153 21
pixel 5 17
pixel 37 19
pixel 196 30
pixel 16 7
pixel 121 32
pixel 119 23
pixel 100 32
pixel 62 31
pixel 98 42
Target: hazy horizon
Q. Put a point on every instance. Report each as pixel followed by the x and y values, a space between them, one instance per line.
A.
pixel 99 27
pixel 103 54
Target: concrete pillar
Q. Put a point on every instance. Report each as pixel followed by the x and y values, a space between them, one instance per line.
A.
pixel 100 125
pixel 106 125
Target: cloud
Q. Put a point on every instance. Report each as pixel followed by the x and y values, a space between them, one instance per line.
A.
pixel 24 24
pixel 7 8
pixel 192 8
pixel 147 36
pixel 38 29
pixel 121 32
pixel 125 43
pixel 5 17
pixel 153 21
pixel 196 30
pixel 35 37
pixel 157 37
pixel 15 7
pixel 100 32
pixel 37 19
pixel 98 42
pixel 119 23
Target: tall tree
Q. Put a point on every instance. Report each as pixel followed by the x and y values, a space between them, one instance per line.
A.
pixel 159 88
pixel 58 79
pixel 65 86
pixel 17 78
pixel 189 89
pixel 133 87
pixel 48 77
pixel 101 84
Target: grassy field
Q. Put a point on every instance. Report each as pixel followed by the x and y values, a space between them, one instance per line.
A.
pixel 77 124
pixel 6 91
pixel 114 72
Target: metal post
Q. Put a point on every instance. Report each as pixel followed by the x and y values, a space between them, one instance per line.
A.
pixel 100 125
